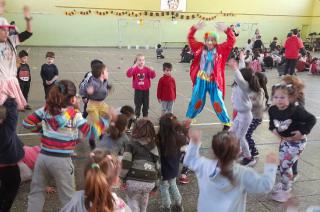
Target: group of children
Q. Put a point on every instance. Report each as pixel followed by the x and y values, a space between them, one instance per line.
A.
pixel 146 159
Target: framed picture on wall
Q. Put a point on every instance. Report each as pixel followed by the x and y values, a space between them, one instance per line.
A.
pixel 173 5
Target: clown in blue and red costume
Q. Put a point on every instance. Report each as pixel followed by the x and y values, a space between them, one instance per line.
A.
pixel 207 71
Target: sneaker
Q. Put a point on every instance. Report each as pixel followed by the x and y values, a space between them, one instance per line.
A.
pixel 281 196
pixel 184 180
pixel 178 208
pixel 255 154
pixel 165 209
pixel 295 177
pixel 278 187
pixel 28 107
pixel 248 161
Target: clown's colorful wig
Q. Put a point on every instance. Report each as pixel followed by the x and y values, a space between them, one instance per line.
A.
pixel 211 34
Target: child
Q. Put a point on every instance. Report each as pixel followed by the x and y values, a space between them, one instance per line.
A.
pixel 140 166
pixel 170 142
pixel 296 97
pixel 129 112
pixel 49 73
pixel 315 68
pixel 11 152
pixel 290 124
pixel 258 106
pixel 96 91
pixel 24 76
pixel 159 51
pixel 256 62
pixel 141 82
pixel 186 54
pixel 61 123
pixel 245 83
pixel 101 175
pixel 116 138
pixel 84 84
pixel 224 184
pixel 9 84
pixel 166 92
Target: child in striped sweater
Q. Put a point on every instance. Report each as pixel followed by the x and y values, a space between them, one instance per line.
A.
pixel 60 121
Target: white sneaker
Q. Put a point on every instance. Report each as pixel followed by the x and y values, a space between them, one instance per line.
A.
pixel 295 178
pixel 276 188
pixel 281 196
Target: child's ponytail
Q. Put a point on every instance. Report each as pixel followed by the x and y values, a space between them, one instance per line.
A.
pixel 97 191
pixel 251 78
pixel 115 130
pixel 101 172
pixel 225 146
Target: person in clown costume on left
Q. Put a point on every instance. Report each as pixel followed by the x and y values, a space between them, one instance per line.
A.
pixel 207 71
pixel 9 85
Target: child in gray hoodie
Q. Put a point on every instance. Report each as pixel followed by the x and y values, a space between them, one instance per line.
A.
pixel 245 83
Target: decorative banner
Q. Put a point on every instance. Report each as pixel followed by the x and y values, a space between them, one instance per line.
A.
pixel 140 13
pixel 173 5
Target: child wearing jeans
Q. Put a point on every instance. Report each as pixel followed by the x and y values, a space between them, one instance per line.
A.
pixel 291 124
pixel 245 83
pixel 141 82
pixel 224 184
pixel 96 91
pixel 166 92
pixel 101 176
pixel 11 152
pixel 170 142
pixel 60 122
pixel 140 166
pixel 49 73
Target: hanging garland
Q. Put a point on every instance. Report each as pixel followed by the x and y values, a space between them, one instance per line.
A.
pixel 175 15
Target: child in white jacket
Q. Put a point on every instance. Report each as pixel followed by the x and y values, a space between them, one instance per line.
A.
pixel 224 184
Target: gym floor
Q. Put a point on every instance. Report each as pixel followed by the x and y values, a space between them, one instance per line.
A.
pixel 73 63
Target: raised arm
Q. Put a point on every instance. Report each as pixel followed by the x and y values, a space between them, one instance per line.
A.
pixel 33 121
pixel 28 32
pixel 229 43
pixel 12 114
pixel 193 43
pixel 256 183
pixel 192 159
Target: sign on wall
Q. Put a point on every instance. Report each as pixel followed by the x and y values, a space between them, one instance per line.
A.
pixel 174 5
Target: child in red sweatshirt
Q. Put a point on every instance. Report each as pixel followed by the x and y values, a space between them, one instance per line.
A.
pixel 166 92
pixel 141 82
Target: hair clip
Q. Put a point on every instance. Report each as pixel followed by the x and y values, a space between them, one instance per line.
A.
pixel 95 165
pixel 61 87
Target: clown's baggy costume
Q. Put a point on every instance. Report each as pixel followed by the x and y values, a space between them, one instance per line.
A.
pixel 207 73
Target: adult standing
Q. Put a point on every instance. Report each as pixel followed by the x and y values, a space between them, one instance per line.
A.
pixel 293 46
pixel 8 57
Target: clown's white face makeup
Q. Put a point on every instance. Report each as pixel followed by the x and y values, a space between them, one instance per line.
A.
pixel 210 43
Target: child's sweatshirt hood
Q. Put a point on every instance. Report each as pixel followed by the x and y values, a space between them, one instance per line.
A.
pixel 61 120
pixel 219 181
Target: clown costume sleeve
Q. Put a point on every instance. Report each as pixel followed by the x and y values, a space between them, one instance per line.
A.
pixel 9 85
